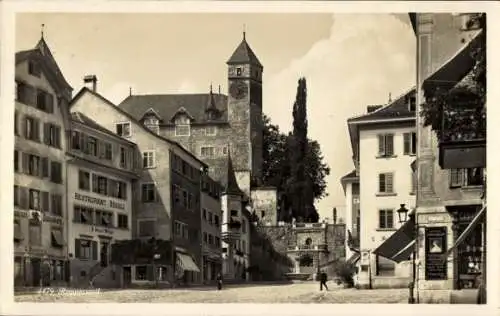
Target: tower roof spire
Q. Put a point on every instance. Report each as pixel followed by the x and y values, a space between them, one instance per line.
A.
pixel 244 54
pixel 244 32
pixel 232 186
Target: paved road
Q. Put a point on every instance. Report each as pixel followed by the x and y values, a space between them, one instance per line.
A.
pixel 264 293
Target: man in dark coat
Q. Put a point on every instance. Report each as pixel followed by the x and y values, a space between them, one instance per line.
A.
pixel 322 281
pixel 219 281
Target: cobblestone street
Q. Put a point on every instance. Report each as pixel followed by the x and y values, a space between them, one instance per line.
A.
pixel 264 293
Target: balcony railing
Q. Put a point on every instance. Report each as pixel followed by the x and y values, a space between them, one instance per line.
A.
pixel 309 225
pixel 319 247
pixel 462 137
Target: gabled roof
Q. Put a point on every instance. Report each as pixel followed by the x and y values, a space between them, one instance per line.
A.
pixel 244 55
pixel 166 105
pixel 42 54
pixel 151 111
pixel 350 177
pixel 182 110
pixel 87 121
pixel 136 121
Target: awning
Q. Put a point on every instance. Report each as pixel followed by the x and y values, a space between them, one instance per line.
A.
pixel 456 68
pixel 393 247
pixel 186 263
pixel 354 258
pixel 18 234
pixel 405 253
pixel 473 224
pixel 57 239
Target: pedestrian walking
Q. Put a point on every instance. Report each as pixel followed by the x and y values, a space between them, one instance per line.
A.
pixel 322 281
pixel 219 281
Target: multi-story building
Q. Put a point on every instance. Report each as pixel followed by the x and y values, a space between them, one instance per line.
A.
pixel 450 202
pixel 211 223
pixel 169 189
pixel 102 170
pixel 384 146
pixel 40 214
pixel 213 126
pixel 350 184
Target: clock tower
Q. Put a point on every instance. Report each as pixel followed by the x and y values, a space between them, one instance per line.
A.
pixel 245 114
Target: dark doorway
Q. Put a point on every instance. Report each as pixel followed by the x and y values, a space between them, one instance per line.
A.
pixel 35 271
pixel 127 276
pixel 104 253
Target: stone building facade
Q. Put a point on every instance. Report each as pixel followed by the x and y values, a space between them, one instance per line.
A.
pixel 40 214
pixel 168 208
pixel 101 176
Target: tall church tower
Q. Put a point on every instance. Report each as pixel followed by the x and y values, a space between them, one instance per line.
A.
pixel 245 114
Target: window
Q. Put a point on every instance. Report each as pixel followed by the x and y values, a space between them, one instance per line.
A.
pixel 92 146
pixel 238 71
pixel 386 219
pixel 190 201
pixel 34 69
pixel 123 129
pixel 34 199
pixel 216 220
pixel 104 218
pixel 234 213
pixel 122 221
pixel 204 214
pixel 25 93
pixel 123 157
pixel 35 237
pixel 16 123
pixel 56 204
pixel 181 230
pixel 262 214
pixel 31 164
pixel 52 135
pixel 56 238
pixel 45 101
pixel 102 185
pixel 16 196
pixel 55 172
pixel 385 267
pixel 210 218
pixel 148 192
pixel 385 184
pixel 57 270
pixel 83 215
pixel 141 273
pixel 32 131
pixel 16 160
pixel 147 228
pixel 210 239
pixel 474 177
pixel 410 143
pixel 108 151
pixel 205 238
pixel 207 151
pixel 182 126
pixel 385 145
pixel 83 249
pixel 217 242
pixel 184 198
pixel 84 180
pixel 148 159
pixel 76 140
pixel 211 130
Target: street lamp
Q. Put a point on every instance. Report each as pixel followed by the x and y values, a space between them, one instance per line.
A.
pixel 403 218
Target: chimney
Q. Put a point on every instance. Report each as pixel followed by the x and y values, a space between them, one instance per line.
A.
pixel 90 81
pixel 219 89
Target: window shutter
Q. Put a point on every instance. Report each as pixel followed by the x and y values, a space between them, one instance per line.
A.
pixel 95 185
pixel 94 250
pixel 406 143
pixel 24 197
pixel 381 182
pixel 25 161
pixel 46 131
pixel 77 248
pixel 389 145
pixel 381 145
pixel 456 177
pixel 37 129
pixel 49 102
pixel 388 182
pixel 45 167
pixel 44 196
pixel 389 219
pixel 381 219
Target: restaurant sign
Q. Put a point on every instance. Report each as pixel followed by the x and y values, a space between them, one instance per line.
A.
pixel 436 265
pixel 100 202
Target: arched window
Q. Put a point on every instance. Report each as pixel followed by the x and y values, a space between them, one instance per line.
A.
pixel 308 242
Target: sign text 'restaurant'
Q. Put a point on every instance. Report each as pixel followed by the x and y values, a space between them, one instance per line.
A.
pixel 101 202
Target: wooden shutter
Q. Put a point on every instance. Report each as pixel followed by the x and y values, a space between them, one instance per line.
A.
pixel 456 177
pixel 45 167
pixel 381 183
pixel 94 250
pixel 36 129
pixel 381 145
pixel 25 162
pixel 24 197
pixel 30 94
pixel 44 201
pixel 388 182
pixel 77 248
pixel 49 103
pixel 389 144
pixel 95 183
pixel 406 143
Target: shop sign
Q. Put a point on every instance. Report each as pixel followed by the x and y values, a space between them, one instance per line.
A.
pixel 436 266
pixel 100 202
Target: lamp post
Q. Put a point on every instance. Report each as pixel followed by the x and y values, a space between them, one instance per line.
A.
pixel 403 215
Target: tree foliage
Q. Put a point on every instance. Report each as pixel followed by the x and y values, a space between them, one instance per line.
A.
pixel 278 170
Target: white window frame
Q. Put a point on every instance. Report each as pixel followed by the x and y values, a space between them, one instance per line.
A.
pixel 385 153
pixel 183 230
pixel 385 183
pixel 385 219
pixel 153 157
pixel 129 128
pixel 411 138
pixel 183 121
pixel 154 192
pixel 211 130
pixel 212 155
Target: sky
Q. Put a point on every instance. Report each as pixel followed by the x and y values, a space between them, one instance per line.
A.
pixel 349 62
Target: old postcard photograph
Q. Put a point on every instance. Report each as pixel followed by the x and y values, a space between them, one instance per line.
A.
pixel 238 155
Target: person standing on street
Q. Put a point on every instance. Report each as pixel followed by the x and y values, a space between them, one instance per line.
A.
pixel 323 278
pixel 219 281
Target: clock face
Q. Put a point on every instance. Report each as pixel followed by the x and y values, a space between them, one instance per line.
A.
pixel 238 89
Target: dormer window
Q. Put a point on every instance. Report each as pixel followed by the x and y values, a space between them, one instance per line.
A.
pixel 34 69
pixel 182 126
pixel 152 123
